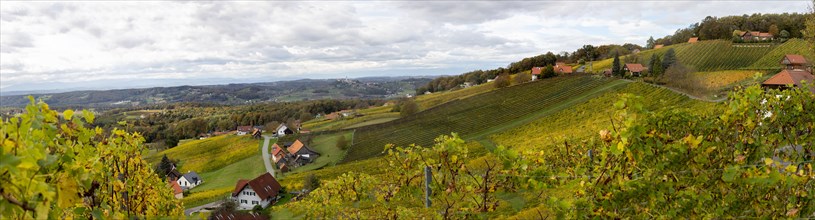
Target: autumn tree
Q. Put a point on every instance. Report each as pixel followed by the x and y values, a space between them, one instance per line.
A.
pixel 502 81
pixel 522 78
pixel 548 71
pixel 59 168
pixel 408 107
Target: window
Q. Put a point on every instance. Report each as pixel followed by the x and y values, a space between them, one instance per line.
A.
pixel 255 202
pixel 243 201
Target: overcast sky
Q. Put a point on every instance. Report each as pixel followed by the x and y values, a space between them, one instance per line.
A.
pixel 119 44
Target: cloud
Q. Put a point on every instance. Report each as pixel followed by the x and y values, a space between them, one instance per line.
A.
pixel 193 41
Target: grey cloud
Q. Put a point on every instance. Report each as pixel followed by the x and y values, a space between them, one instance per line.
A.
pixel 131 42
pixel 56 10
pixel 469 12
pixel 19 40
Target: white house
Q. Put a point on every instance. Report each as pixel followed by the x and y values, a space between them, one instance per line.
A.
pixel 262 191
pixel 189 180
pixel 243 130
pixel 283 130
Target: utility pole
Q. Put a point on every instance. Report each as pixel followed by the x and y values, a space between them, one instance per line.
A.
pixel 427 179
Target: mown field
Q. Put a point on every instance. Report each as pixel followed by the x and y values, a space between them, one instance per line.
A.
pixel 584 121
pixel 470 116
pixel 716 55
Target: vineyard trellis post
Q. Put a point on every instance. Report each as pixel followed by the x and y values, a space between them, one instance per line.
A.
pixel 591 164
pixel 428 177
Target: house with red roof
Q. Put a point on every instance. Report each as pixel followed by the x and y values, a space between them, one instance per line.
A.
pixel 795 74
pixel 301 153
pixel 794 61
pixel 243 130
pixel 280 157
pixel 693 40
pixel 260 191
pixel 756 36
pixel 177 191
pixel 536 72
pixel 233 215
pixel 633 69
pixel 658 46
pixel 562 68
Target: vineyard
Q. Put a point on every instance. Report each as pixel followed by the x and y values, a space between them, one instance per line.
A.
pixel 793 46
pixel 472 115
pixel 715 55
pixel 210 153
pixel 587 118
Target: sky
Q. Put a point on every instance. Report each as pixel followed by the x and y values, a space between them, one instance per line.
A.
pixel 125 44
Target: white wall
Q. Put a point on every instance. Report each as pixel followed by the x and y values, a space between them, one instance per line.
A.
pixel 183 182
pixel 282 131
pixel 246 195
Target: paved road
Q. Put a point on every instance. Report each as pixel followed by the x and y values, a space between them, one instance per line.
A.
pixel 199 208
pixel 581 69
pixel 266 156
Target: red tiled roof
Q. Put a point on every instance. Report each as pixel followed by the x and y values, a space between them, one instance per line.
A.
pixel 176 188
pixel 295 147
pixel 537 70
pixel 245 128
pixel 634 67
pixel 794 77
pixel 265 186
pixel 794 59
pixel 563 68
pixel 276 149
pixel 658 46
pixel 693 40
pixel 764 34
pixel 224 215
pixel 239 187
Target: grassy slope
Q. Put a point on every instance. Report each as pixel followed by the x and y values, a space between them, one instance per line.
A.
pixel 715 55
pixel 211 153
pixel 473 115
pixel 326 145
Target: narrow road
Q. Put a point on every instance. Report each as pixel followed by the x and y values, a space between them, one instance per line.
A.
pixel 266 156
pixel 189 211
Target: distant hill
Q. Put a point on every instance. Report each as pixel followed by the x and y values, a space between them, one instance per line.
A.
pixel 283 91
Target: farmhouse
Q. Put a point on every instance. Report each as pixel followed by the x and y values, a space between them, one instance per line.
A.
pixel 756 36
pixel 693 40
pixel 536 72
pixel 260 191
pixel 633 69
pixel 787 78
pixel 189 180
pixel 243 130
pixel 283 130
pixel 280 158
pixel 562 68
pixel 658 46
pixel 794 61
pixel 301 153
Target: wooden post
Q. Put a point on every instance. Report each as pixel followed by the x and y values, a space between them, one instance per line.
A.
pixel 427 180
pixel 591 165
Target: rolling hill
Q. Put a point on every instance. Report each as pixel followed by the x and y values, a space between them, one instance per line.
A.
pixel 478 115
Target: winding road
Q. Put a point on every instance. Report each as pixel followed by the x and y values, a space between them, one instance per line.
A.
pixel 266 156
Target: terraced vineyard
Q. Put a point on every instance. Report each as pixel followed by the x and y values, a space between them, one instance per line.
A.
pixel 586 119
pixel 472 115
pixel 793 46
pixel 715 55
